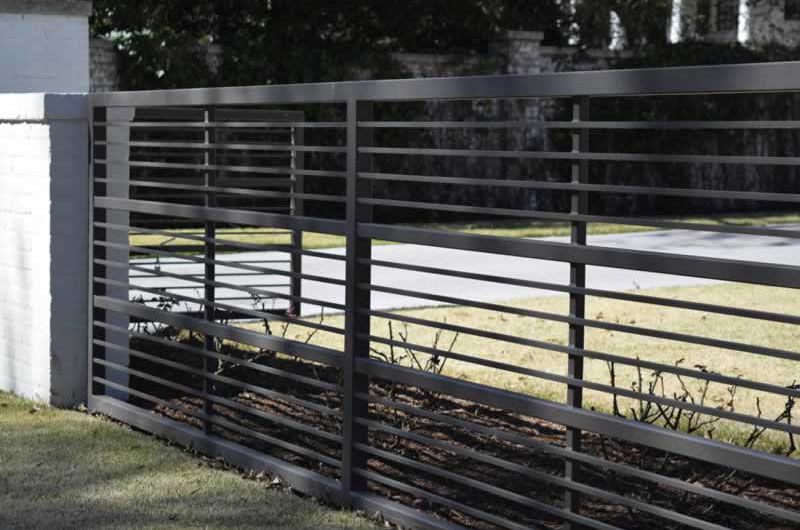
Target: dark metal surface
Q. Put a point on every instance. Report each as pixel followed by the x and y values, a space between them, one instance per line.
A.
pixel 577 301
pixel 231 163
pixel 357 323
pixel 763 77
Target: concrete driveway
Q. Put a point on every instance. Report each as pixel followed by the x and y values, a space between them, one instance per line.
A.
pixel 749 248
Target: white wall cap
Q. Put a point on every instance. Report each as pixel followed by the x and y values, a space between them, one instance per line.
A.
pixel 40 107
pixel 76 8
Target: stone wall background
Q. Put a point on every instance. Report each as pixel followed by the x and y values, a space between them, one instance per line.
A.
pixel 103 65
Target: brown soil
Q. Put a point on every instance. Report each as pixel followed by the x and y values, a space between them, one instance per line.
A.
pixel 717 477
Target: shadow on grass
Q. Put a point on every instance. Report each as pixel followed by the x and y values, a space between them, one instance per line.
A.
pixel 66 470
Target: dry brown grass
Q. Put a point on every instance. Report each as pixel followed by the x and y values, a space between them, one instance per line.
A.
pixel 779 372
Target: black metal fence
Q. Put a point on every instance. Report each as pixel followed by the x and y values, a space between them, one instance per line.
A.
pixel 382 410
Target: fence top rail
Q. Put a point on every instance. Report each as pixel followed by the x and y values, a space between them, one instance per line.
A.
pixel 733 78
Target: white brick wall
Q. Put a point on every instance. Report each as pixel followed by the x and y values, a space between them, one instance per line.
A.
pixel 43 237
pixel 44 53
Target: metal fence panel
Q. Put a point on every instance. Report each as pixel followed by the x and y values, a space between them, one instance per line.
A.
pixel 201 331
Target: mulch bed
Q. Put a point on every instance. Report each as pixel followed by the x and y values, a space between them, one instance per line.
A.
pixel 495 420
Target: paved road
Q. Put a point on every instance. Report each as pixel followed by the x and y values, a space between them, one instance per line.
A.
pixel 750 248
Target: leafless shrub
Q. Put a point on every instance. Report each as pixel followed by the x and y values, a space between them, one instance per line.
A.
pixel 677 417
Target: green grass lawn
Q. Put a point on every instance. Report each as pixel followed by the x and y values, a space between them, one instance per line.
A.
pixel 505 228
pixel 780 372
pixel 66 469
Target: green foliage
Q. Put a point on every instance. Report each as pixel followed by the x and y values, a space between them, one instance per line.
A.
pixel 458 26
pixel 288 41
pixel 693 53
pixel 162 59
pixel 160 43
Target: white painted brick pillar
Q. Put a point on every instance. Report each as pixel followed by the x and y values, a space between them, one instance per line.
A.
pixel 44 45
pixel 43 246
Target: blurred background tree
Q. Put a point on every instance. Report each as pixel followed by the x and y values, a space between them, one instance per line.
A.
pixel 287 41
pixel 163 44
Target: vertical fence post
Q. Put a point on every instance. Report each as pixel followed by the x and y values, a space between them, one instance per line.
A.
pixel 96 134
pixel 118 135
pixel 210 252
pixel 297 210
pixel 357 324
pixel 577 302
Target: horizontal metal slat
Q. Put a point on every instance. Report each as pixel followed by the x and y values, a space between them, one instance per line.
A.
pixel 228 181
pixel 724 125
pixel 695 266
pixel 201 190
pixel 221 357
pixel 712 451
pixel 255 271
pixel 152 399
pixel 610 326
pixel 302 451
pixel 601 293
pixel 227 380
pixel 601 188
pixel 262 315
pixel 251 290
pixel 450 124
pixel 583 383
pixel 399 513
pixel 211 397
pixel 229 146
pixel 527 471
pixel 309 224
pixel 597 157
pixel 251 338
pixel 220 167
pixel 567 454
pixel 581 352
pixel 483 487
pixel 237 287
pixel 223 124
pixel 209 418
pixel 299 478
pixel 592 354
pixel 287 248
pixel 581 124
pixel 443 501
pixel 573 217
pixel 713 79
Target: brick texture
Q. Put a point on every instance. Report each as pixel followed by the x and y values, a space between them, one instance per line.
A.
pixel 43 234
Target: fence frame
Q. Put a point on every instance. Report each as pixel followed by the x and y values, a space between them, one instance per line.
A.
pixel 360 230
